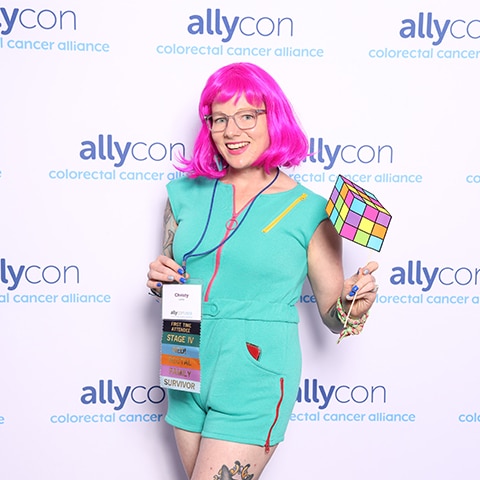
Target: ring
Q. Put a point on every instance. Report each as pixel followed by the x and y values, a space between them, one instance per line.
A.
pixel 170 278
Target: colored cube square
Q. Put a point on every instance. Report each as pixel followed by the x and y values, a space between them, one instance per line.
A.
pixel 357 214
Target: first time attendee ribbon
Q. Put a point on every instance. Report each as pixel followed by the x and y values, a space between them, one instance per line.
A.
pixel 180 354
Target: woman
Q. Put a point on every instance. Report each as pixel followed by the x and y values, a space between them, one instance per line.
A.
pixel 252 235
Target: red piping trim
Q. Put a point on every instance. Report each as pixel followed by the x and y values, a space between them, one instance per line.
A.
pixel 219 251
pixel 214 274
pixel 277 413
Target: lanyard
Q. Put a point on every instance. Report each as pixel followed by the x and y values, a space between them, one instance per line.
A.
pixel 192 253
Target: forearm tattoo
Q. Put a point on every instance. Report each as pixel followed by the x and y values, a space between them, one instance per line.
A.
pixel 170 226
pixel 237 472
pixel 333 313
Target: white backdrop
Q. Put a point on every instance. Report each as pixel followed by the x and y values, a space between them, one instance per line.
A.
pixel 96 100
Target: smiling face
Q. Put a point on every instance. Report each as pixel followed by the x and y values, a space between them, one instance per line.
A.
pixel 240 148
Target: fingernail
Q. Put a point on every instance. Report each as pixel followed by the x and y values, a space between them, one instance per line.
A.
pixel 180 271
pixel 182 280
pixel 352 292
pixel 159 284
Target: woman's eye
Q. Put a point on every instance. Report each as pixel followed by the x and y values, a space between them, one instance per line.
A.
pixel 219 120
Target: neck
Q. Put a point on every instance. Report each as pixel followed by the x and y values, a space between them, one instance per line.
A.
pixel 246 187
pixel 250 178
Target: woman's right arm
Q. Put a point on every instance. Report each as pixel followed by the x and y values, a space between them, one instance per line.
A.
pixel 169 229
pixel 164 269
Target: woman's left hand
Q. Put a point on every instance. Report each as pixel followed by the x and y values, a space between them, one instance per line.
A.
pixel 366 291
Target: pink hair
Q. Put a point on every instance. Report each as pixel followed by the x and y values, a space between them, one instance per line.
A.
pixel 288 143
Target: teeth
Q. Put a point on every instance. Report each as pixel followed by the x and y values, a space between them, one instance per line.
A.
pixel 236 146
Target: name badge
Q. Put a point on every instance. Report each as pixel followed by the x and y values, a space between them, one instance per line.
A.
pixel 180 359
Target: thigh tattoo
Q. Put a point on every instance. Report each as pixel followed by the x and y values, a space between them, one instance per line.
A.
pixel 237 472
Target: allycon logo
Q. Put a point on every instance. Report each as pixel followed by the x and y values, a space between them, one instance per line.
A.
pixel 329 154
pixel 427 26
pixel 313 392
pixel 106 147
pixel 107 393
pixel 13 275
pixel 30 19
pixel 416 273
pixel 214 23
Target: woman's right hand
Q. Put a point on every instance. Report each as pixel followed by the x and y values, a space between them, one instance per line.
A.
pixel 164 270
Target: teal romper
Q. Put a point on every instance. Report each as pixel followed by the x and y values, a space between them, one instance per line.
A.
pixel 249 349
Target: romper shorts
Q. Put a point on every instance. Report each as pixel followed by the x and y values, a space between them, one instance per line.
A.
pixel 242 399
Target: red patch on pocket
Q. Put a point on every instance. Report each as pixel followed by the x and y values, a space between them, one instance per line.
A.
pixel 254 350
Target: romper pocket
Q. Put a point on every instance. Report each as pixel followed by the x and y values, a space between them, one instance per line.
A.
pixel 271 346
pixel 254 350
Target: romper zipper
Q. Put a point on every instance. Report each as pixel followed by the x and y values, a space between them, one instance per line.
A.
pixel 277 413
pixel 230 226
pixel 303 196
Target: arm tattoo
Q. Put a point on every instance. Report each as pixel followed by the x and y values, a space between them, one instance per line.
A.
pixel 170 227
pixel 333 312
pixel 237 472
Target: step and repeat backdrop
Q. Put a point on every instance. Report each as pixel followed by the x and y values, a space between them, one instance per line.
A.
pixel 97 101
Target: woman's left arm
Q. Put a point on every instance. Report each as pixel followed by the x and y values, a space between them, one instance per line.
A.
pixel 325 272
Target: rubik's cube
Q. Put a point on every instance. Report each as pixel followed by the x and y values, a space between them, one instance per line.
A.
pixel 357 215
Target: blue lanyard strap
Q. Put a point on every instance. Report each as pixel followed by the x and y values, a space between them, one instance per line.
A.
pixel 192 253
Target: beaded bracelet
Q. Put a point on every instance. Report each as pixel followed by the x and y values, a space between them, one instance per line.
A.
pixel 351 326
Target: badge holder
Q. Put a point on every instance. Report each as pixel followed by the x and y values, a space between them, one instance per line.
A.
pixel 182 315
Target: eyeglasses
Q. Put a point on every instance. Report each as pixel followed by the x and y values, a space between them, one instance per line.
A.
pixel 244 120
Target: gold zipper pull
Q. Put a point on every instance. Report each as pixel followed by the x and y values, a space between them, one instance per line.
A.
pixel 303 196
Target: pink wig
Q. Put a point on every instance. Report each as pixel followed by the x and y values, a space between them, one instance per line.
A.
pixel 288 144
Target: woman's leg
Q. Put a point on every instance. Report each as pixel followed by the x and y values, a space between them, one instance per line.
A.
pixel 222 460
